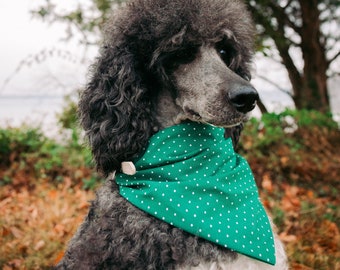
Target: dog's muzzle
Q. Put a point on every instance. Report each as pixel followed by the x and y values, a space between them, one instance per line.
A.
pixel 244 98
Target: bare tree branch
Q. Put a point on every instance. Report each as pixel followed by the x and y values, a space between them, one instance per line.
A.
pixel 277 86
pixel 333 58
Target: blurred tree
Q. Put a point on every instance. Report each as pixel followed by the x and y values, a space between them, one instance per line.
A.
pixel 86 17
pixel 309 28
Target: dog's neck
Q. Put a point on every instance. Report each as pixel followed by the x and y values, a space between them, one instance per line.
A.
pixel 168 113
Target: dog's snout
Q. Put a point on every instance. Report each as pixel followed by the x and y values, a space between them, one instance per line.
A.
pixel 244 98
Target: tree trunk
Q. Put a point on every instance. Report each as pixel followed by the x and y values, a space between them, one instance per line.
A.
pixel 314 92
pixel 310 84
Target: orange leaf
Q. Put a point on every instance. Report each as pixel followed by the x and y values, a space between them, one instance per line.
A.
pixel 52 194
pixel 284 160
pixel 83 205
pixel 287 237
pixel 297 266
pixel 4 231
pixel 60 255
pixel 310 194
pixel 267 183
pixel 59 229
pixel 266 204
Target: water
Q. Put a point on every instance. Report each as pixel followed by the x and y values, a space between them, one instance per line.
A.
pixel 37 111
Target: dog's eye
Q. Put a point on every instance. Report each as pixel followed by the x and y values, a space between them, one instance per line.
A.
pixel 187 54
pixel 226 52
pixel 223 52
pixel 183 56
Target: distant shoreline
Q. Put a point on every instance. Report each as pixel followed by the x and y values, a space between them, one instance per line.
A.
pixel 41 110
pixel 31 110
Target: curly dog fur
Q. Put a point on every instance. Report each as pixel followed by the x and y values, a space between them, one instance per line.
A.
pixel 161 62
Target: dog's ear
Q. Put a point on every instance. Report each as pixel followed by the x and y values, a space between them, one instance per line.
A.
pixel 234 133
pixel 115 109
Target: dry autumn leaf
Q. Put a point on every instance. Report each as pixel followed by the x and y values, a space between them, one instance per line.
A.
pixel 38 246
pixel 287 238
pixel 267 183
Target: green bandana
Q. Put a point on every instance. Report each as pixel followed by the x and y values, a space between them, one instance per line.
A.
pixel 191 178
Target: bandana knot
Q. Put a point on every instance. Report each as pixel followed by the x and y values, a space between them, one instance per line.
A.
pixel 190 177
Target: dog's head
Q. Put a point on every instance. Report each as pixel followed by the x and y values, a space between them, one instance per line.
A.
pixel 213 88
pixel 166 60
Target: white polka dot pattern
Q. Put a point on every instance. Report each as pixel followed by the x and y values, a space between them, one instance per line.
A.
pixel 191 178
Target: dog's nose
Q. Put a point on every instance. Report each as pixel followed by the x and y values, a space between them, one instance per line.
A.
pixel 244 98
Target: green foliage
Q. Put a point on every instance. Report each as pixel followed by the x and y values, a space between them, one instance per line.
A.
pixel 294 146
pixel 273 128
pixel 27 153
pixel 332 213
pixel 310 118
pixel 15 142
pixel 84 19
pixel 68 117
pixel 90 183
pixel 278 216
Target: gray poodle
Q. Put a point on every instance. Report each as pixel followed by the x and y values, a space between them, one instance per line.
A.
pixel 163 64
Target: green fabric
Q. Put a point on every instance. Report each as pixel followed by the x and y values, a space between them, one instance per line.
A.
pixel 191 178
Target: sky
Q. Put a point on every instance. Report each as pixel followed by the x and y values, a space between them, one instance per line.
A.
pixel 31 88
pixel 24 39
pixel 24 73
